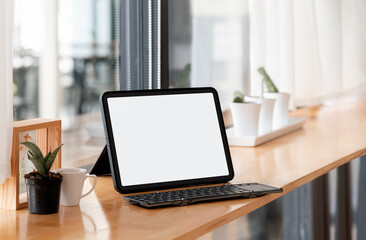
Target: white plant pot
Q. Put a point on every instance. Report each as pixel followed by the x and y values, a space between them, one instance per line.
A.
pixel 266 115
pixel 280 110
pixel 245 118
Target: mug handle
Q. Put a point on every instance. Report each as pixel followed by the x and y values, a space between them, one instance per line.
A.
pixel 95 183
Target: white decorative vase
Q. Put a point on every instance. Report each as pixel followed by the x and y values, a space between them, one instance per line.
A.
pixel 280 110
pixel 245 118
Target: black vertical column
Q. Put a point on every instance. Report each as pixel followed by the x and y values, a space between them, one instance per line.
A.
pixel 144 44
pixel 321 217
pixel 164 38
pixel 130 44
pixel 361 206
pixel 297 215
pixel 344 208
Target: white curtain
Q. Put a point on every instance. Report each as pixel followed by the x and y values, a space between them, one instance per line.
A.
pixel 312 49
pixel 6 87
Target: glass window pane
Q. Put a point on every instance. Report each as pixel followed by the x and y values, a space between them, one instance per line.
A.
pixel 82 57
pixel 209 45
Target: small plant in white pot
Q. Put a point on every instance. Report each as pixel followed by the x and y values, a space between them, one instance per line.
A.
pixel 245 115
pixel 280 111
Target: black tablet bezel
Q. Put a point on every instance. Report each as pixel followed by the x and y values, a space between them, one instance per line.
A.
pixel 118 185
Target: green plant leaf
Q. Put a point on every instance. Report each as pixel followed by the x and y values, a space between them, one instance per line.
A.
pixel 34 149
pixel 238 97
pixel 37 164
pixel 47 156
pixel 51 158
pixel 36 156
pixel 268 81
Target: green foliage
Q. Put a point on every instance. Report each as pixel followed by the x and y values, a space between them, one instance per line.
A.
pixel 268 81
pixel 183 76
pixel 15 89
pixel 42 164
pixel 238 97
pixel 51 158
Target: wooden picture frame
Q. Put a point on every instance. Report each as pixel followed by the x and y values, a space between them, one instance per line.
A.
pixel 48 137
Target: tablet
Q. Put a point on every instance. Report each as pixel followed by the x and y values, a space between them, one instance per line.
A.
pixel 169 138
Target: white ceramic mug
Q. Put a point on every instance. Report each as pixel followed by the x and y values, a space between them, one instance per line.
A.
pixel 72 185
pixel 245 118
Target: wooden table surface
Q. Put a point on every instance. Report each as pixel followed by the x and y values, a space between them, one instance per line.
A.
pixel 335 133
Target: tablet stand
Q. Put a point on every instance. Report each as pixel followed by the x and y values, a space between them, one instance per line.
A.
pixel 101 166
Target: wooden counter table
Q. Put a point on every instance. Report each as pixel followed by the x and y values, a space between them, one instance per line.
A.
pixel 333 135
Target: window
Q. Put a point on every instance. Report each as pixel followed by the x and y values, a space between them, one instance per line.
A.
pixel 209 45
pixel 66 53
pixel 193 43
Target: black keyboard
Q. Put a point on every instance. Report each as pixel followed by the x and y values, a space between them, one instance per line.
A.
pixel 193 195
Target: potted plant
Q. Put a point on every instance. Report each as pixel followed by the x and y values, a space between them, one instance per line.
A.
pixel 280 111
pixel 43 186
pixel 245 115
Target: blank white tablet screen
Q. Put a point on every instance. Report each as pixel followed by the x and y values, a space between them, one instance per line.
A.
pixel 167 138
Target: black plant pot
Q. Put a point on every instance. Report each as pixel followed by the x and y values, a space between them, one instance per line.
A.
pixel 43 195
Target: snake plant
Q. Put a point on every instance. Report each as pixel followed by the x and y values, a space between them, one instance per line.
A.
pixel 238 97
pixel 42 163
pixel 268 81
